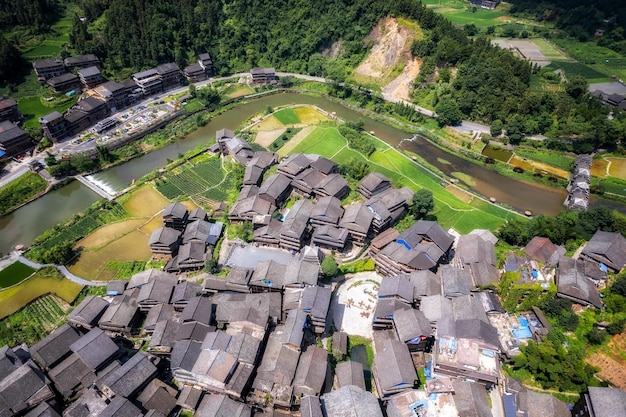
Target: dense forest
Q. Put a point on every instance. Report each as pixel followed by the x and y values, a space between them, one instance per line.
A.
pixel 579 18
pixel 34 14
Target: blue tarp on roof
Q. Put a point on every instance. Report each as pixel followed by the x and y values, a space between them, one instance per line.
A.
pixel 2 153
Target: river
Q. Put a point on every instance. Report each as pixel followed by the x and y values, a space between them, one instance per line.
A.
pixel 23 225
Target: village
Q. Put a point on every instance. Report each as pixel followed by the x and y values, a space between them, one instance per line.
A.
pixel 268 333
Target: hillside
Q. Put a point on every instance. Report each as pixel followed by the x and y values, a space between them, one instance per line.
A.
pixel 389 62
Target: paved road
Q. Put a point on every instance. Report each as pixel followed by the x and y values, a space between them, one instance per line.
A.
pixel 14 172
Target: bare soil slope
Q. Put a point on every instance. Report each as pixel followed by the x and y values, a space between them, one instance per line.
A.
pixel 389 63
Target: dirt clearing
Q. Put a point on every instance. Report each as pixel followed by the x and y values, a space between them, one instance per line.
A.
pixel 390 62
pixel 266 137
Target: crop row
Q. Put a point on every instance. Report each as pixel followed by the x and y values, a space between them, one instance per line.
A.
pixel 32 323
pixel 169 190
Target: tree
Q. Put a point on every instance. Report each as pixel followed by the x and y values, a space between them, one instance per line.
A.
pixel 10 60
pixel 596 336
pixel 448 112
pixel 329 267
pixel 576 87
pixel 423 203
pixel 243 231
pixel 192 90
pixel 59 254
pixel 619 285
pixel 355 169
pixel 496 128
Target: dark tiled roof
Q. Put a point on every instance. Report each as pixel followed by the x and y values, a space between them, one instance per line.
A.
pixel 95 348
pixel 608 248
pixel 121 312
pixel 221 406
pixel 455 281
pixel 185 354
pixel 159 290
pixel 411 324
pixel 43 410
pixel 120 407
pixel 164 334
pixel 429 230
pixel 315 301
pixel 175 210
pixel 351 401
pixel 607 402
pixel 157 313
pixel 185 290
pixel 350 373
pixel 425 283
pixel 197 309
pixel 55 346
pixel 357 217
pixel 542 249
pixel 193 330
pixel 146 276
pixel 398 286
pixel 158 396
pixel 311 372
pixel 471 399
pixel 393 368
pixel 572 284
pixel 131 376
pixel 327 209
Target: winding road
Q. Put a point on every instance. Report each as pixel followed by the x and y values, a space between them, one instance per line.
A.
pixel 15 257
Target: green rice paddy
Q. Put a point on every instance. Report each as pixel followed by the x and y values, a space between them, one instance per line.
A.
pixel 14 273
pixel 287 116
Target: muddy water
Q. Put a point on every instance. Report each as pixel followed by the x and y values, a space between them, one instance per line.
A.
pixel 25 224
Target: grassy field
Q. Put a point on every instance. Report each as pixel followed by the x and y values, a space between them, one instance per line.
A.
pixel 237 90
pixel 449 210
pixel 131 246
pixel 193 105
pixel 14 273
pixel 44 281
pixel 322 139
pixel 33 108
pixel 460 12
pixel 20 191
pixel 287 116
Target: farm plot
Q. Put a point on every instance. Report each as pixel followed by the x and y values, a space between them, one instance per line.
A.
pixel 555 159
pixel 617 168
pixel 207 179
pixel 44 281
pixel 82 226
pixel 33 322
pixel 287 116
pixel 14 273
pixel 144 202
pixel 599 168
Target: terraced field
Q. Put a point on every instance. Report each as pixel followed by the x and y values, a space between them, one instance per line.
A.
pixel 205 180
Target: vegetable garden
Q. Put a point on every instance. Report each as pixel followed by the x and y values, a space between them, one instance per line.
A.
pixel 203 182
pixel 78 227
pixel 33 322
